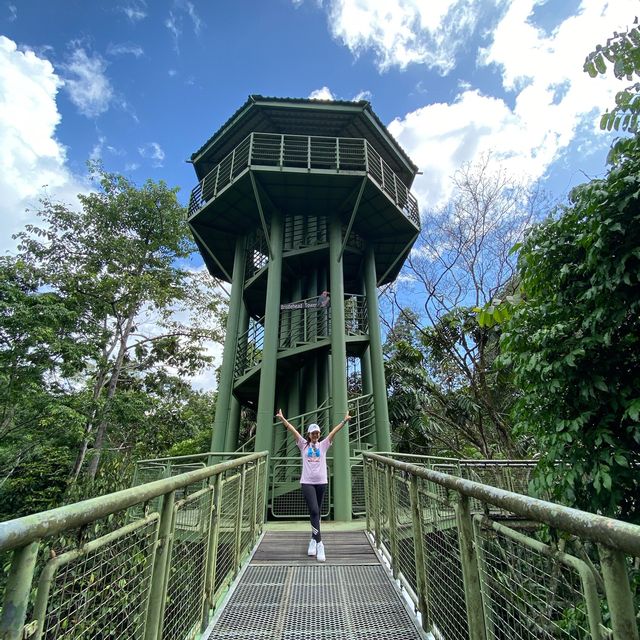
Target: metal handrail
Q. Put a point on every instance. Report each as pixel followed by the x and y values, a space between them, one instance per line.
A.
pixel 476 558
pixel 308 153
pixel 187 510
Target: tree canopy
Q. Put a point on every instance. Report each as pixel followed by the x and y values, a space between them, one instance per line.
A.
pixel 102 320
pixel 574 344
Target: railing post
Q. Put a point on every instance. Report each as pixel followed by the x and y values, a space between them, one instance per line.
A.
pixel 281 150
pixel 256 493
pixel 250 157
pixel 161 568
pixel 337 154
pixel 393 540
pixel 379 510
pixel 212 550
pixel 619 597
pixel 470 572
pixel 238 532
pixel 16 599
pixel 418 542
pixel 233 160
pixel 215 184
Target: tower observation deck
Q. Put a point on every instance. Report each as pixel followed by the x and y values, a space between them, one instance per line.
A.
pixel 304 206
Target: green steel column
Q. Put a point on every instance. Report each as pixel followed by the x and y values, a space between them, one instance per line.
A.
pixel 18 588
pixel 223 405
pixel 280 434
pixel 269 366
pixel 341 468
pixel 293 404
pixel 231 439
pixel 383 431
pixel 311 388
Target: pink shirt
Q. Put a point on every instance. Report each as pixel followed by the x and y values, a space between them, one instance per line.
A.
pixel 314 466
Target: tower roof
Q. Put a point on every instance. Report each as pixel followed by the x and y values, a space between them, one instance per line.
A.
pixel 308 117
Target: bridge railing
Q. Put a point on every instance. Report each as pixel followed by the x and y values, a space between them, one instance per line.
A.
pixel 147 562
pixel 484 563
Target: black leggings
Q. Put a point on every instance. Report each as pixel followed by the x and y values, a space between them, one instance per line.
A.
pixel 313 494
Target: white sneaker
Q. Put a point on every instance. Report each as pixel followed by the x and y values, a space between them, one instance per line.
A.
pixel 313 545
pixel 320 557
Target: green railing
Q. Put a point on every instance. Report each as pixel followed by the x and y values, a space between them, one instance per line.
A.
pixel 301 322
pixel 148 562
pixel 265 150
pixel 484 563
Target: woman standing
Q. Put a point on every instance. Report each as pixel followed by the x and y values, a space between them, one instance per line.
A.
pixel 314 475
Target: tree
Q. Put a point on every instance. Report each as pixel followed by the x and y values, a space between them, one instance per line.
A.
pixel 121 264
pixel 462 262
pixel 574 344
pixel 622 51
pixel 38 350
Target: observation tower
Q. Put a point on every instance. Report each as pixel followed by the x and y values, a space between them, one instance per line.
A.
pixel 304 206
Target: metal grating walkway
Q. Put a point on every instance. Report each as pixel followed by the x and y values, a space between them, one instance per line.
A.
pixel 302 599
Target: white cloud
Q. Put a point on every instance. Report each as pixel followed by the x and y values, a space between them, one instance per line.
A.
pixel 322 94
pixel 176 18
pixel 362 95
pixel 101 146
pixel 85 81
pixel 124 49
pixel 135 10
pixel 152 151
pixel 13 12
pixel 554 103
pixel 30 154
pixel 402 32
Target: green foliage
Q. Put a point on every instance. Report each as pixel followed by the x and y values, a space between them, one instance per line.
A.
pixel 574 344
pixel 433 408
pixel 622 55
pixel 102 319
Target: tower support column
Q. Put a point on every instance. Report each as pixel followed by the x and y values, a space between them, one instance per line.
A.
pixel 341 463
pixel 225 387
pixel 383 430
pixel 269 365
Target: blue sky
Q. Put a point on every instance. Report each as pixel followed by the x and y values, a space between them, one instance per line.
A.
pixel 141 84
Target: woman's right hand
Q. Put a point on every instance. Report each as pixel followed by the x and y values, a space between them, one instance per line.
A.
pixel 279 415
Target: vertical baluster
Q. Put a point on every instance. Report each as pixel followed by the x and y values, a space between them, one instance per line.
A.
pixel 161 568
pixel 619 596
pixel 418 545
pixel 16 598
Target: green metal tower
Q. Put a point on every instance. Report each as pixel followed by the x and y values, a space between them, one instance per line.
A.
pixel 304 207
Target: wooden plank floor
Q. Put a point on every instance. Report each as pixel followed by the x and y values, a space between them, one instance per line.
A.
pixel 290 548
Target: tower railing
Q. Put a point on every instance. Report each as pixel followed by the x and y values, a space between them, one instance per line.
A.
pixel 250 346
pixel 307 153
pixel 151 561
pixel 484 563
pixel 302 322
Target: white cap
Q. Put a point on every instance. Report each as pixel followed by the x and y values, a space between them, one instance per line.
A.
pixel 313 427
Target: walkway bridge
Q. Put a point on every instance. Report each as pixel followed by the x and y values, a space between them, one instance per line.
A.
pixel 446 549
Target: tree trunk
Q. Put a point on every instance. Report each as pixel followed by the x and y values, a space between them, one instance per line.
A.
pixel 101 431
